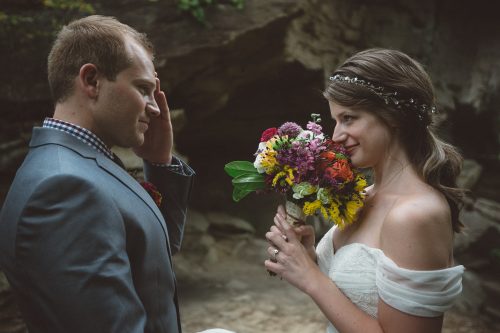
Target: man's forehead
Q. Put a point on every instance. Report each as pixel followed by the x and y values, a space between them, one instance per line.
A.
pixel 140 57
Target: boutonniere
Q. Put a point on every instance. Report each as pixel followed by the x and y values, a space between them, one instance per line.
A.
pixel 153 192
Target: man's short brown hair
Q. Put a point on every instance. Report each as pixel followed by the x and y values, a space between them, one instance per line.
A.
pixel 95 39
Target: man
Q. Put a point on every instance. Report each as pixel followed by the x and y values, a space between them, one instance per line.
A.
pixel 84 246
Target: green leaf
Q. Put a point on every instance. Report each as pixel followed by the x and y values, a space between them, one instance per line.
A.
pixel 250 182
pixel 246 178
pixel 239 193
pixel 238 168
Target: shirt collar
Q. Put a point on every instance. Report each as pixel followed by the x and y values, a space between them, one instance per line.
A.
pixel 80 133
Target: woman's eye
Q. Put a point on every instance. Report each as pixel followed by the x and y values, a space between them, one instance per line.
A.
pixel 347 118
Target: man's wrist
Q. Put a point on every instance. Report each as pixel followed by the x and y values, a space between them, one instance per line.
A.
pixel 174 165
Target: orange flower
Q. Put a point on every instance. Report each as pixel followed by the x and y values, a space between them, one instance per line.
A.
pixel 328 155
pixel 343 169
pixel 340 169
pixel 326 158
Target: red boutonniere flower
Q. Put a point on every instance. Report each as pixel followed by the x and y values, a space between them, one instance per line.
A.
pixel 153 192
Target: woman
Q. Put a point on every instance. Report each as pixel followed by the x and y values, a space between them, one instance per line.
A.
pixel 392 270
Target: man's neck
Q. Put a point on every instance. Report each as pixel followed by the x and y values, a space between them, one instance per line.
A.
pixel 74 111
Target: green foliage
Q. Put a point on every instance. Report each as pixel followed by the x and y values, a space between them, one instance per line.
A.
pixel 43 20
pixel 196 8
pixel 495 255
pixel 27 30
pixel 246 178
pixel 79 5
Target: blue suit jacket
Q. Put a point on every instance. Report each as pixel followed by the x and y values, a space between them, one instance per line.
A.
pixel 84 246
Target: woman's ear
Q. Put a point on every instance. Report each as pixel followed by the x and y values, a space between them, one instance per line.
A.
pixel 89 80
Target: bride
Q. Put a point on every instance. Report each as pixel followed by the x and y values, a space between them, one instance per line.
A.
pixel 392 270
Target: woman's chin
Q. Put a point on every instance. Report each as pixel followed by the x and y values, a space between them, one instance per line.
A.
pixel 359 163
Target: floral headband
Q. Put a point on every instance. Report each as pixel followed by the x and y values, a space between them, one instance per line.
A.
pixel 389 97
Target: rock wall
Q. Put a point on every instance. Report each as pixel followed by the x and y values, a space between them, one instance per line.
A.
pixel 252 69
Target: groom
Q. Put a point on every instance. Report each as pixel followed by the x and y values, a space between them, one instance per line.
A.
pixel 84 246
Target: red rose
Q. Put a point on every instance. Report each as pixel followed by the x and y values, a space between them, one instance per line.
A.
pixel 153 192
pixel 268 134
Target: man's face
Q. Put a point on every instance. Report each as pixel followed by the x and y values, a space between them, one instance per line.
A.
pixel 120 116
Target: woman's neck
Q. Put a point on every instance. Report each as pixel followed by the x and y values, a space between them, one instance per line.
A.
pixel 393 172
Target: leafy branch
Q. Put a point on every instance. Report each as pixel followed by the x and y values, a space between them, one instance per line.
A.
pixel 51 14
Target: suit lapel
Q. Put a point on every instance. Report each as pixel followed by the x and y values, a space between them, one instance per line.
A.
pixel 116 171
pixel 42 136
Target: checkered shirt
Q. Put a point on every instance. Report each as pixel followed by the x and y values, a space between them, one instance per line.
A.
pixel 80 133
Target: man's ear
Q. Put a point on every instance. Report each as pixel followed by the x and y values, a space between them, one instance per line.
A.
pixel 89 78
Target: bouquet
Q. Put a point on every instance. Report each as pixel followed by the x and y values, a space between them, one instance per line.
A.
pixel 313 172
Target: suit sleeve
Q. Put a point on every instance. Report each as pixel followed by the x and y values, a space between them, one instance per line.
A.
pixel 175 186
pixel 71 249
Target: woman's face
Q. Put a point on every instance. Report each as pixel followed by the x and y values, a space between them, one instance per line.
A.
pixel 365 136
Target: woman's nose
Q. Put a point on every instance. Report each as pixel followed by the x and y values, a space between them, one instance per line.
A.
pixel 338 135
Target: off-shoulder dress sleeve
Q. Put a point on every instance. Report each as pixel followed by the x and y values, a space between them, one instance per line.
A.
pixel 419 293
pixel 324 252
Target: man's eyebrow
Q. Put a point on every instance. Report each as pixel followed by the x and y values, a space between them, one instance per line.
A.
pixel 145 80
pixel 149 83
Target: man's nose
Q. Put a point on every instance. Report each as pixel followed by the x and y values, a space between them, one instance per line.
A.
pixel 152 107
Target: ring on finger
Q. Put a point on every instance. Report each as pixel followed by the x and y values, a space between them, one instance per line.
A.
pixel 275 253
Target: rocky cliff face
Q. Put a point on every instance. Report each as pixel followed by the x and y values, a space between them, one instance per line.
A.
pixel 255 68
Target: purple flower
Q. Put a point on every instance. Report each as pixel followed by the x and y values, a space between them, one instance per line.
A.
pixel 314 127
pixel 289 128
pixel 302 156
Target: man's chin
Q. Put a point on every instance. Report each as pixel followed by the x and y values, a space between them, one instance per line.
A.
pixel 137 143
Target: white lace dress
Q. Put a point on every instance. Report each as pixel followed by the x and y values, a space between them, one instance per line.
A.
pixel 364 274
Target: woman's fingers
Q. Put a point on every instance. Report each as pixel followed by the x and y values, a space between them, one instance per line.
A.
pixel 282 211
pixel 276 239
pixel 287 230
pixel 305 230
pixel 272 266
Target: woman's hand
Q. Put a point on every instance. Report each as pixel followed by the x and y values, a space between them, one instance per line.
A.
pixel 305 233
pixel 289 257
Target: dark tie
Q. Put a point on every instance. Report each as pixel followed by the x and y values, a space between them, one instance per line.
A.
pixel 117 160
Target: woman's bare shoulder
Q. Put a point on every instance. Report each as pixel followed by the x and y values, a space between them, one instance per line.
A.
pixel 417 232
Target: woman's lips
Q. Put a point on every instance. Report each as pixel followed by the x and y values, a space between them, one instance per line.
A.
pixel 351 148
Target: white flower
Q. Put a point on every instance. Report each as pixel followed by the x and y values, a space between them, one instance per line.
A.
pixel 261 147
pixel 309 136
pixel 259 157
pixel 323 196
pixel 302 189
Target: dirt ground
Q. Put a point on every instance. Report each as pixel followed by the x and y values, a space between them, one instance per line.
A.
pixel 228 287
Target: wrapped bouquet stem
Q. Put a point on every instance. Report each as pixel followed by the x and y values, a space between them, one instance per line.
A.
pixel 312 171
pixel 295 216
